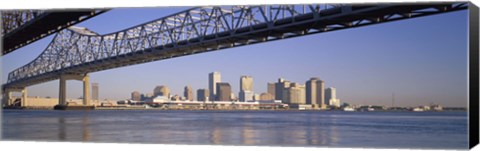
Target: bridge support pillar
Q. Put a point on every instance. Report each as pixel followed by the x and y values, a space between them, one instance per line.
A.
pixel 24 102
pixel 86 90
pixel 62 97
pixel 7 96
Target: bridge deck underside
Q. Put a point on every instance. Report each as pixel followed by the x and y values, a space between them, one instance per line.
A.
pixel 42 26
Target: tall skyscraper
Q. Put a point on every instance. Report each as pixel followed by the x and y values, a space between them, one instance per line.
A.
pixel 246 88
pixel 271 88
pixel 315 92
pixel 246 83
pixel 213 79
pixel 331 97
pixel 187 93
pixel 295 94
pixel 280 87
pixel 161 91
pixel 136 96
pixel 311 90
pixel 224 91
pixel 202 94
pixel 95 91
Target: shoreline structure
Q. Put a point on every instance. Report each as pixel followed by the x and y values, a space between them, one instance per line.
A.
pixel 118 108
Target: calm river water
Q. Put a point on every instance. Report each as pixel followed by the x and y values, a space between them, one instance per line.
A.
pixel 428 130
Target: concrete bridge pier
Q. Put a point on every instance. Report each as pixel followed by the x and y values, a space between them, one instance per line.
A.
pixel 24 97
pixel 62 96
pixel 7 96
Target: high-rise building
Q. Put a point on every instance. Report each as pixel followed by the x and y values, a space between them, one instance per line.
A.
pixel 271 88
pixel 136 96
pixel 295 94
pixel 224 91
pixel 246 88
pixel 311 90
pixel 202 94
pixel 331 97
pixel 213 79
pixel 266 96
pixel 188 93
pixel 245 95
pixel 246 83
pixel 161 91
pixel 280 87
pixel 95 91
pixel 315 92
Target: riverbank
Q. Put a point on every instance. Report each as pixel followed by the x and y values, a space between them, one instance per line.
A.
pixel 199 109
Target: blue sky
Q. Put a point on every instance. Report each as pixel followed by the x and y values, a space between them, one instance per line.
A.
pixel 421 60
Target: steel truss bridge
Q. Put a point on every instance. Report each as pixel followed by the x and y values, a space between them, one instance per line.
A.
pixel 22 27
pixel 79 51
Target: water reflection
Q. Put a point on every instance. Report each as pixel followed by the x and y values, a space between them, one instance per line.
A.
pixel 251 130
pixel 334 132
pixel 62 132
pixel 216 132
pixel 69 128
pixel 323 132
pixel 86 129
pixel 237 128
pixel 248 135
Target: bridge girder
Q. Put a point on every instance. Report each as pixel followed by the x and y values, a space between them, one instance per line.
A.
pixel 79 51
pixel 22 27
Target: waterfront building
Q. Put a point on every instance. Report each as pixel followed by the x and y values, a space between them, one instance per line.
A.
pixel 256 96
pixel 149 95
pixel 224 91
pixel 95 91
pixel 280 87
pixel 315 93
pixel 426 107
pixel 245 95
pixel 295 94
pixel 232 97
pixel 331 97
pixel 202 94
pixel 159 99
pixel 136 96
pixel 266 96
pixel 175 98
pixel 226 105
pixel 161 91
pixel 213 79
pixel 188 94
pixel 436 107
pixel 271 88
pixel 335 102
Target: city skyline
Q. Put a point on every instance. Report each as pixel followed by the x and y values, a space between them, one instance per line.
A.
pixel 417 75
